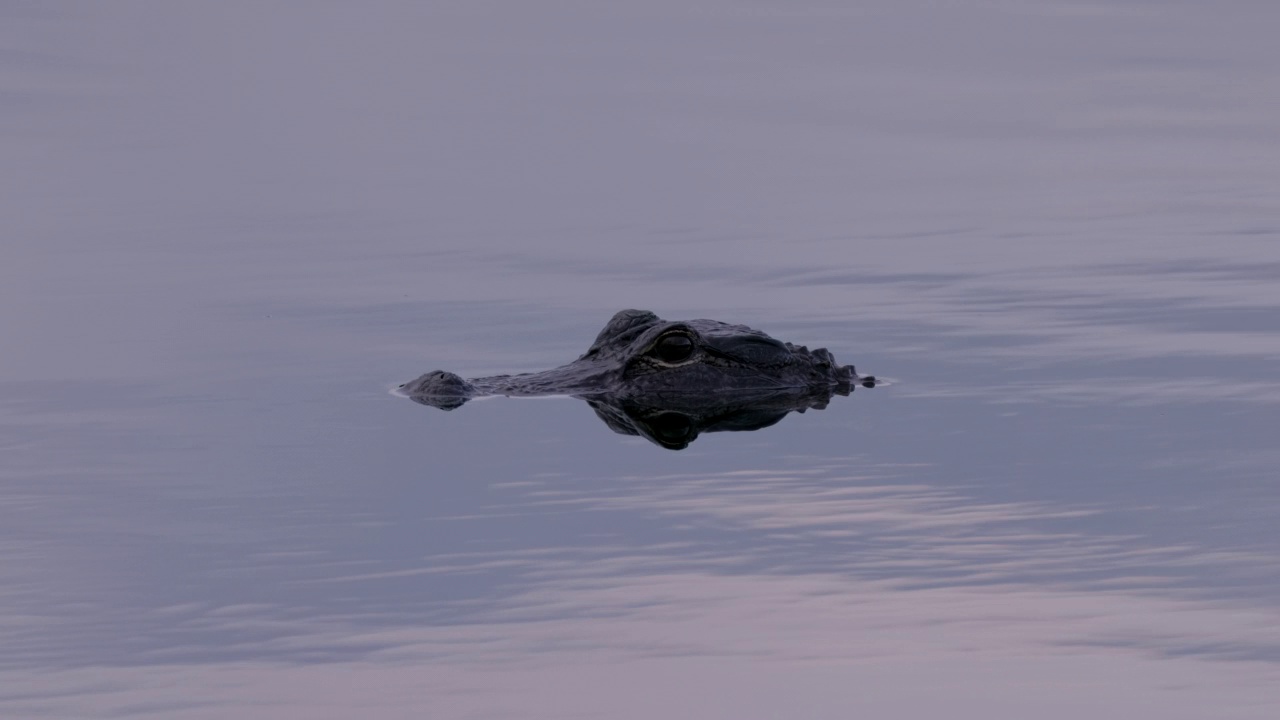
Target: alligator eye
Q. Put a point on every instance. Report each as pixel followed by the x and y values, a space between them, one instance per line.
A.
pixel 674 348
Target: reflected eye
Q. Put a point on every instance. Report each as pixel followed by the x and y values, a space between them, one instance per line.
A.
pixel 674 348
pixel 672 428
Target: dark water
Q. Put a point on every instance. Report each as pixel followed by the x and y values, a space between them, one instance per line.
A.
pixel 230 230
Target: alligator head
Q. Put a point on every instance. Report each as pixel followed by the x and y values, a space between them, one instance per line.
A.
pixel 640 354
pixel 670 380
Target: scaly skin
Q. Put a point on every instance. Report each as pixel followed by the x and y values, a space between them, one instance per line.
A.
pixel 639 356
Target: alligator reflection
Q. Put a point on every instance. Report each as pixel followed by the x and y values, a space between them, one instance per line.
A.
pixel 675 421
pixel 670 381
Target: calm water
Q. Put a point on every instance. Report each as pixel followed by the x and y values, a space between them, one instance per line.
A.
pixel 230 229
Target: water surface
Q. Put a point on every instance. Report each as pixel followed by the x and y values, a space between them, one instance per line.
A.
pixel 230 230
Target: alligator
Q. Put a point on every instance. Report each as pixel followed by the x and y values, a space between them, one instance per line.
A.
pixel 670 380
